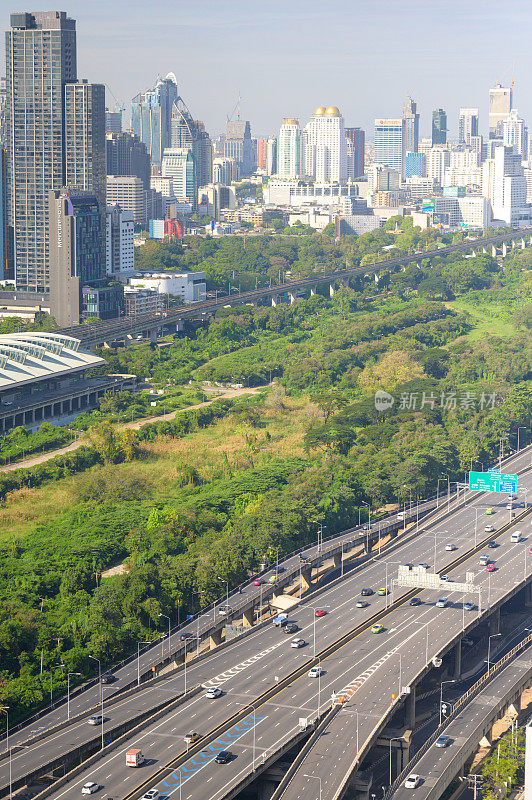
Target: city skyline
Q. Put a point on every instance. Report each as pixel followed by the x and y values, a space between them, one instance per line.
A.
pixel 218 51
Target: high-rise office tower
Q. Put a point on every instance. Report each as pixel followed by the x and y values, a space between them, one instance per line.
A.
pixel 238 145
pixel 326 146
pixel 500 105
pixel 504 183
pixel 151 116
pixel 3 101
pixel 178 164
pixel 262 150
pixel 85 160
pixel 127 155
pixel 467 125
pixel 77 254
pixel 411 127
pixel 113 121
pixel 190 133
pixel 289 149
pixel 389 143
pixel 40 62
pixel 515 134
pixel 357 138
pixel 439 126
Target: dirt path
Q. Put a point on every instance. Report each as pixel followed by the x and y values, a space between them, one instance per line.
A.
pixel 34 460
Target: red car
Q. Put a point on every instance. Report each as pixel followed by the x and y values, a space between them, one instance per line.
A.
pixel 490 568
pixel 257 582
pixel 319 612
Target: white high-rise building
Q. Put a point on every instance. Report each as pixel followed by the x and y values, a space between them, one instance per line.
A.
pixel 464 159
pixel 119 242
pixel 504 184
pixel 389 140
pixel 467 125
pixel 326 146
pixel 500 106
pixel 515 133
pixel 382 178
pixel 438 158
pixel 289 149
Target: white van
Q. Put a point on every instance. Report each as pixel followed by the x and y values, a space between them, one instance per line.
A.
pixel 515 537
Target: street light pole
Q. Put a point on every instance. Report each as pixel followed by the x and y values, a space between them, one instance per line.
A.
pixel 169 623
pixel 493 636
pixel 317 777
pixel 223 580
pixel 5 710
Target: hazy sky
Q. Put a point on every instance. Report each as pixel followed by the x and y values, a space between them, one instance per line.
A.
pixel 286 57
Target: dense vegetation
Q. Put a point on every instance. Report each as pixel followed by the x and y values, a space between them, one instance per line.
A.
pixel 210 493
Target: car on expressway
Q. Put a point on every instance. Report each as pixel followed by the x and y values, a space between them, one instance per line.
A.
pixel 291 627
pixel 185 636
pixel 493 544
pixel 319 612
pixel 424 565
pixel 489 511
pixel 224 611
pixel 468 606
pixel 441 603
pixel 108 677
pixel 272 579
pixel 315 672
pixel 444 577
pixel 361 604
pixel 382 591
pixel 191 737
pixel 258 582
pixel 415 601
pixel 484 559
pixel 530 551
pixel 297 643
pixel 90 787
pixel 490 567
pixel 213 692
pixel 450 547
pixel 223 757
pixel 96 719
pixel 366 592
pixel 489 528
pixel 378 628
pixel 443 741
pixel 412 782
pixel 153 794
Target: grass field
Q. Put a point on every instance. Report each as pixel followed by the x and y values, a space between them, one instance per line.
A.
pixel 491 319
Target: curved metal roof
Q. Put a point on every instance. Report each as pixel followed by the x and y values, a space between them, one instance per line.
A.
pixel 29 357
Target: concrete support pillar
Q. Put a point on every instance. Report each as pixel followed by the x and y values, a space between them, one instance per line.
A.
pixel 493 251
pixel 248 618
pixel 332 289
pixel 457 659
pixel 275 300
pixel 305 580
pixel 337 559
pixel 473 251
pixel 523 244
pixel 504 249
pixel 410 709
pixel 528 595
pixel 495 622
pixel 313 290
pixel 292 299
pixel 215 639
pixel 485 250
pixel 376 276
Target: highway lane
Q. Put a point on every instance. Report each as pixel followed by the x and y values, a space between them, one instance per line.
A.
pixel 127 674
pixel 263 646
pixel 241 686
pixel 375 694
pixel 436 760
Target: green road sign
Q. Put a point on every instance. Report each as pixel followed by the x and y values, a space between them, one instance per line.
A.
pixel 492 482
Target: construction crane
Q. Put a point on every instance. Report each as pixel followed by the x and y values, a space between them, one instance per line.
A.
pixel 236 108
pixel 119 107
pixel 499 82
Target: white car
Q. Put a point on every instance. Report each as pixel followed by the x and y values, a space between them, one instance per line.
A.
pixel 153 794
pixel 489 528
pixel 412 782
pixel 213 692
pixel 315 672
pixel 90 787
pixel 297 643
pixel 224 611
pixel 450 547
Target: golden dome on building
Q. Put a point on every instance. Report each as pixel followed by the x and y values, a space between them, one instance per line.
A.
pixel 320 111
pixel 291 121
pixel 332 111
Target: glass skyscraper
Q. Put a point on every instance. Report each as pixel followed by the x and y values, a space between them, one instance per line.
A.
pixel 389 143
pixel 151 116
pixel 439 126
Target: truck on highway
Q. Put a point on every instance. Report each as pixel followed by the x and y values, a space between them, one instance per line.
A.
pixel 280 620
pixel 134 758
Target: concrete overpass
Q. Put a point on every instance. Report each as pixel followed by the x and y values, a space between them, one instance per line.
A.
pixel 153 326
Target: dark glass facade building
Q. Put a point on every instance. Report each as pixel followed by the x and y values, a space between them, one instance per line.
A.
pixel 151 116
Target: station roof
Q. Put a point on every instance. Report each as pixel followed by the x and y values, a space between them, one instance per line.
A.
pixel 29 357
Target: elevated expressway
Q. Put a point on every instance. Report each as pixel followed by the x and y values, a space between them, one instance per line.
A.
pixel 152 326
pixel 376 666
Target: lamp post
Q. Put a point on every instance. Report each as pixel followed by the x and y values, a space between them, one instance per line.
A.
pixel 316 777
pixel 441 693
pixel 169 623
pixel 314 631
pixel 198 619
pixel 476 524
pixel 25 746
pixel 493 636
pixel 223 580
pixel 436 534
pixel 68 691
pixel 138 660
pixel 101 687
pixel 254 726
